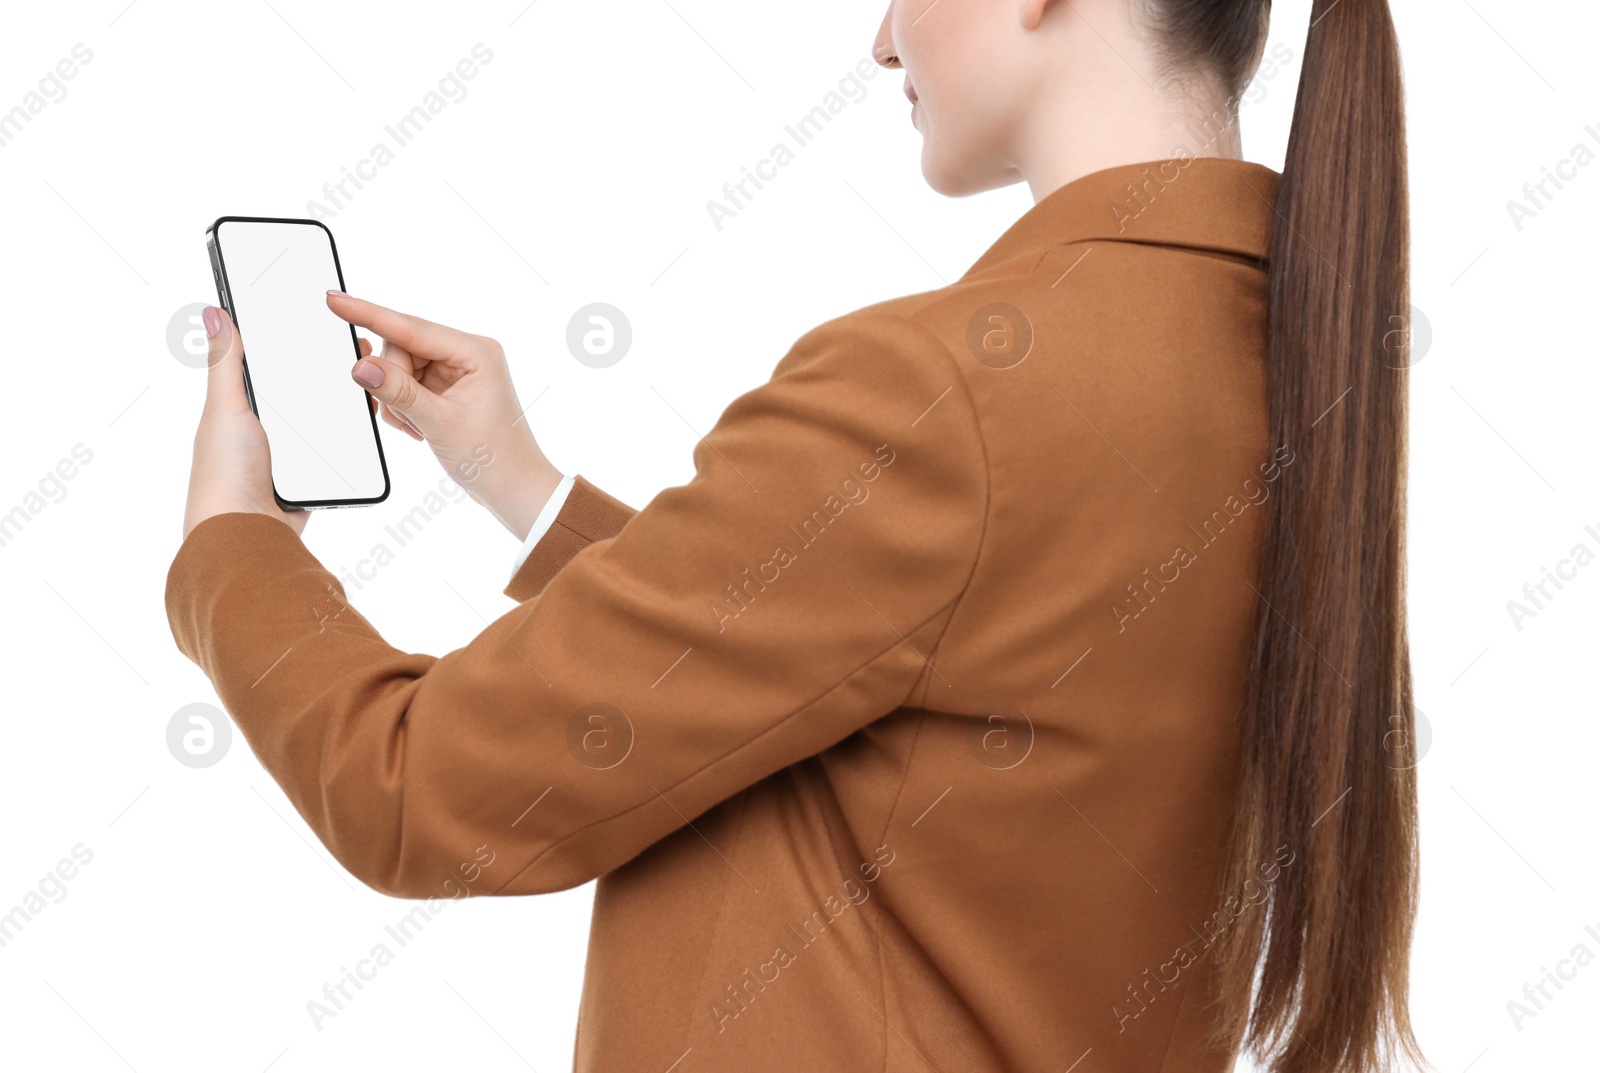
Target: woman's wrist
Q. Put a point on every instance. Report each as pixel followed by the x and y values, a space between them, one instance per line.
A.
pixel 515 490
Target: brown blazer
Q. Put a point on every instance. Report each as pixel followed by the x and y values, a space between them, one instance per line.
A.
pixel 899 738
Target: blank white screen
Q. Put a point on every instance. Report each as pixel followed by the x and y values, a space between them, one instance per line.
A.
pixel 299 356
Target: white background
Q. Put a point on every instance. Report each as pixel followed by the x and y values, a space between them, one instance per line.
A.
pixel 577 169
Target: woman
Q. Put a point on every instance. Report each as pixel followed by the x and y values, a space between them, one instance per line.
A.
pixel 1024 667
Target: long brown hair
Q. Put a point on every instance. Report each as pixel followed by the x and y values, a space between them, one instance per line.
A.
pixel 1318 981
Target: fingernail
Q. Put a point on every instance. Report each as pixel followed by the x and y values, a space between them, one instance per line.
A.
pixel 411 430
pixel 369 374
pixel 337 294
pixel 212 322
pixel 415 430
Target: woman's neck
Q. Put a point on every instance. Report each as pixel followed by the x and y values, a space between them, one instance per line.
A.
pixel 1109 140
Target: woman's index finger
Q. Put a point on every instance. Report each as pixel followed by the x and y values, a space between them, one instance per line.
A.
pixel 423 338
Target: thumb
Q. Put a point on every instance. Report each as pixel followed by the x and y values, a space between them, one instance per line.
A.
pixel 397 389
pixel 224 363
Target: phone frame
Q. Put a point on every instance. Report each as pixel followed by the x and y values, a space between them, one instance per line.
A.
pixel 219 273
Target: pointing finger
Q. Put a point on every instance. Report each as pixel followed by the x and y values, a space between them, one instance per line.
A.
pixel 423 338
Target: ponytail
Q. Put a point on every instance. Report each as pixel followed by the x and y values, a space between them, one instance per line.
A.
pixel 1326 764
pixel 1318 981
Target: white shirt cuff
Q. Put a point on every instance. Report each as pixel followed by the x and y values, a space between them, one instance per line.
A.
pixel 542 523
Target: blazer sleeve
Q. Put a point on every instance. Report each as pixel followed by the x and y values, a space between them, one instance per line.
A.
pixel 790 593
pixel 543 520
pixel 589 514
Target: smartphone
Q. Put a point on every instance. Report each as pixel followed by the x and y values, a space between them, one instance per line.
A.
pixel 273 277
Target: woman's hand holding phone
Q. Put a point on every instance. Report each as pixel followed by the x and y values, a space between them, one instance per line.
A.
pixel 232 470
pixel 453 390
